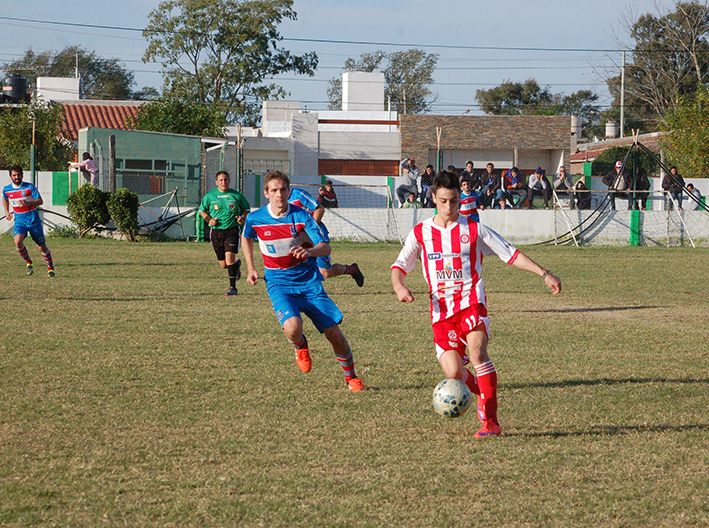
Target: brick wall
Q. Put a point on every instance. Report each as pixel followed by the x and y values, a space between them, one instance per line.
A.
pixel 418 133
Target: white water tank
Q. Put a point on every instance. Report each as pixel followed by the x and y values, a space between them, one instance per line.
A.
pixel 575 126
pixel 612 129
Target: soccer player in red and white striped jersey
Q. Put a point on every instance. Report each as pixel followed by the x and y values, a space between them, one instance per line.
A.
pixel 451 247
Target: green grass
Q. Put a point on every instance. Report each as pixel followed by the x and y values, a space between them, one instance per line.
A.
pixel 133 393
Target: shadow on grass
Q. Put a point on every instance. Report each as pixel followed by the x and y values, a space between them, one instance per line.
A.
pixel 616 430
pixel 600 381
pixel 591 310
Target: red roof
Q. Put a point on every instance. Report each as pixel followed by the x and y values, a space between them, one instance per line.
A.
pixel 99 114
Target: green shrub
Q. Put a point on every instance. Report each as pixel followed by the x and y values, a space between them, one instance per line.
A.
pixel 123 207
pixel 87 208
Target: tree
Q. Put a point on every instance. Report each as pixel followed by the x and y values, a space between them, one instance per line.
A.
pixel 686 135
pixel 52 150
pixel 100 78
pixel 529 98
pixel 670 60
pixel 87 208
pixel 408 76
pixel 176 116
pixel 510 98
pixel 222 51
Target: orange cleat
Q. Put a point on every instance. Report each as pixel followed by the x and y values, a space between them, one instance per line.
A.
pixel 302 359
pixel 356 385
pixel 490 428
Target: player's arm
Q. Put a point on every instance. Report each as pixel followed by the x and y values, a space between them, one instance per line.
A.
pixel 210 221
pixel 322 249
pixel 525 263
pixel 6 205
pixel 397 281
pixel 318 213
pixel 247 246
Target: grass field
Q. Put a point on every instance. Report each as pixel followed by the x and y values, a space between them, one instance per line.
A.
pixel 133 393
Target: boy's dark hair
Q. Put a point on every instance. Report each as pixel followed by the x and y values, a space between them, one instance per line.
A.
pixel 16 168
pixel 225 173
pixel 446 180
pixel 514 169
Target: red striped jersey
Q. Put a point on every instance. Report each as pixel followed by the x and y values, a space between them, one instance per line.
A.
pixel 452 259
pixel 277 235
pixel 468 204
pixel 15 194
pixel 303 199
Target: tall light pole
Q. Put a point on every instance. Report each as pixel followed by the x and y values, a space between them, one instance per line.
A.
pixel 622 98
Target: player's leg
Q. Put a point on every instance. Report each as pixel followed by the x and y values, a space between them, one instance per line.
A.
pixel 233 264
pixel 487 380
pixel 329 270
pixel 218 239
pixel 19 239
pixel 450 352
pixel 37 233
pixel 287 311
pixel 326 317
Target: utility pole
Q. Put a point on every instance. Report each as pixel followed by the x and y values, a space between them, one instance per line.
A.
pixel 622 98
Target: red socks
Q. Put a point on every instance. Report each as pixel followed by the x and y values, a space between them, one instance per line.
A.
pixel 487 382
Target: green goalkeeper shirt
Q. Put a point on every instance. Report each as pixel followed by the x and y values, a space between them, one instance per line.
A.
pixel 224 207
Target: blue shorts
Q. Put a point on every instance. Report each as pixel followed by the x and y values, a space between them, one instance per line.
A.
pixel 310 299
pixel 33 228
pixel 324 262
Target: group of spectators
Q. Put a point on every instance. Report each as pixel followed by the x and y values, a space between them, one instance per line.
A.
pixel 622 183
pixel 494 189
pixel 508 188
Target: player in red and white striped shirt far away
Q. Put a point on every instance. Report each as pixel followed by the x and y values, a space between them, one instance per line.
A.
pixel 451 247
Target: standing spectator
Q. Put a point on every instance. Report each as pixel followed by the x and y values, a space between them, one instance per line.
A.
pixel 513 184
pixel 88 168
pixel 673 183
pixel 693 191
pixel 617 182
pixel 412 202
pixel 538 186
pixel 327 197
pixel 20 200
pixel 410 173
pixel 582 195
pixel 426 182
pixel 639 191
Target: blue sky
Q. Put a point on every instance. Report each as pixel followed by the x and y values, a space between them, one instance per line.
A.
pixel 535 28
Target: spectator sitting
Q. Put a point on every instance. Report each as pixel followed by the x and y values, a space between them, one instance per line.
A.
pixel 582 196
pixel 493 181
pixel 538 186
pixel 426 182
pixel 411 202
pixel 487 199
pixel 673 183
pixel 693 191
pixel 513 184
pixel 562 181
pixel 327 197
pixel 469 174
pixel 410 173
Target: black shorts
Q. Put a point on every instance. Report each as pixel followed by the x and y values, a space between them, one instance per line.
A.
pixel 224 240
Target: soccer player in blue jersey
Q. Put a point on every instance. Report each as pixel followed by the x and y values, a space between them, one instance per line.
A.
pixel 290 240
pixel 304 200
pixel 21 200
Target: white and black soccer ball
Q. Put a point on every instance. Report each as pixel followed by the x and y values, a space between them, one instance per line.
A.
pixel 451 398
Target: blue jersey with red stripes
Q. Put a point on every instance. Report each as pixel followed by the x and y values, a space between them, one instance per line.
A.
pixel 25 215
pixel 276 235
pixel 303 199
pixel 468 204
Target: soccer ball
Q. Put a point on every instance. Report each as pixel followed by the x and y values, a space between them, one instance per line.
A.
pixel 451 398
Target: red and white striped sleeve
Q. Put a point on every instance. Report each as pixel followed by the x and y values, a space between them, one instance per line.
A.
pixel 409 253
pixel 492 243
